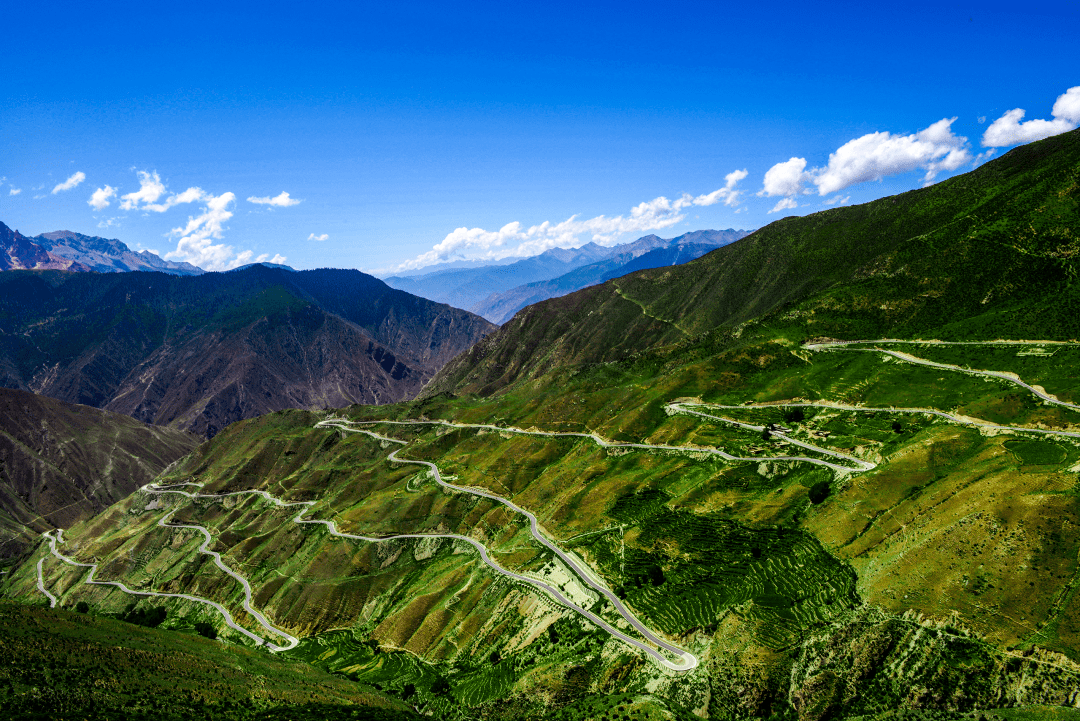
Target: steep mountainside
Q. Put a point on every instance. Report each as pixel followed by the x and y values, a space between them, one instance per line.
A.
pixel 61 463
pixel 18 252
pixel 200 352
pixel 108 256
pixel 647 252
pixel 992 253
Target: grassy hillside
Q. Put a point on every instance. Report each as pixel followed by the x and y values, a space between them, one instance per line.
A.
pixel 63 664
pixel 852 555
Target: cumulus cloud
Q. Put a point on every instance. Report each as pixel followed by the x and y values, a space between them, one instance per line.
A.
pixel 878 155
pixel 1009 130
pixel 282 200
pixel 785 178
pixel 871 157
pixel 324 236
pixel 70 183
pixel 196 239
pixel 837 199
pixel 14 191
pixel 515 240
pixel 150 191
pixel 110 223
pixel 100 199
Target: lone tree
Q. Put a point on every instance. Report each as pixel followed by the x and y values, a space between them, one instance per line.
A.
pixel 82 607
pixel 206 630
pixel 766 434
pixel 897 428
pixel 819 492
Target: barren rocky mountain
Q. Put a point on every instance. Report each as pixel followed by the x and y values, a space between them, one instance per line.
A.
pixel 105 255
pixel 19 252
pixel 198 353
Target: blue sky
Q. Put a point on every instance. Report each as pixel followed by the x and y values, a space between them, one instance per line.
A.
pixel 430 132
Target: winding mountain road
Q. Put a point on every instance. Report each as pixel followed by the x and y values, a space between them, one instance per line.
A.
pixel 685 660
pixel 53 540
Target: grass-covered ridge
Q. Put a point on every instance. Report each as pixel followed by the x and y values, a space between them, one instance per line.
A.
pixel 991 253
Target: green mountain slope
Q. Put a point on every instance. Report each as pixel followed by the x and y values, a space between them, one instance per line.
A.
pixel 62 664
pixel 991 253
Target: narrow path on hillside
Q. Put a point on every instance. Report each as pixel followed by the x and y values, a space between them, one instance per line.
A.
pixel 41 585
pixel 961 420
pixel 908 358
pixel 688 663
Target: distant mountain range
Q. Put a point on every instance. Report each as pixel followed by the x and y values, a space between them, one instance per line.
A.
pixel 498 292
pixel 66 250
pixel 648 252
pixel 200 352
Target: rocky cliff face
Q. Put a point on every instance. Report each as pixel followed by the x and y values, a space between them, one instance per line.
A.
pixel 198 353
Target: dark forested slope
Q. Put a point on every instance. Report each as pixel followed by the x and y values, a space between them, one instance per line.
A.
pixel 201 352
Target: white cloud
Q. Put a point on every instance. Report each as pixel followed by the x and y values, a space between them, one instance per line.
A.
pixel 871 157
pixel 785 178
pixel 784 204
pixel 1067 106
pixel 515 240
pixel 837 199
pixel 1008 130
pixel 324 236
pixel 14 191
pixel 109 223
pixel 728 194
pixel 100 199
pixel 151 189
pixel 188 196
pixel 878 155
pixel 196 239
pixel 282 200
pixel 70 182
